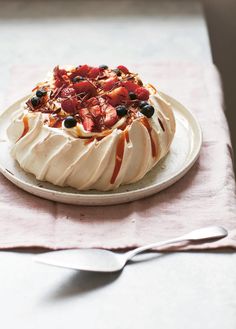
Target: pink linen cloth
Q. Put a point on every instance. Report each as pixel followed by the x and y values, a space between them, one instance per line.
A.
pixel 205 196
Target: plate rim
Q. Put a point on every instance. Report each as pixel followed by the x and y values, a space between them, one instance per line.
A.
pixel 105 198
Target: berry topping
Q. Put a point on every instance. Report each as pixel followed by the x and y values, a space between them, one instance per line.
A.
pixel 142 93
pixel 143 103
pixel 58 83
pixel 61 77
pixel 67 92
pixel 96 111
pixel 41 92
pixel 91 102
pixel 69 105
pixel 103 67
pixel 35 101
pixel 110 83
pixel 93 73
pixel 111 116
pixel 59 73
pixel 88 124
pixel 85 88
pixel 130 86
pixel 118 96
pixel 97 97
pixel 132 95
pixel 117 72
pixel 148 111
pixel 83 70
pixel 123 69
pixel 77 79
pixel 83 112
pixel 70 122
pixel 121 110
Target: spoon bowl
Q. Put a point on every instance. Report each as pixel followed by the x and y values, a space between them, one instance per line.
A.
pixel 95 260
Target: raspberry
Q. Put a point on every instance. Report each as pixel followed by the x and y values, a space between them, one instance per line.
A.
pixel 130 86
pixel 142 93
pixel 110 83
pixel 123 69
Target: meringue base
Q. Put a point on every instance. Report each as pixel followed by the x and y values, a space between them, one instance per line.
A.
pixel 122 157
pixel 184 152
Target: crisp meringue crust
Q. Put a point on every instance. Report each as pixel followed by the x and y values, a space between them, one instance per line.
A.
pixel 121 157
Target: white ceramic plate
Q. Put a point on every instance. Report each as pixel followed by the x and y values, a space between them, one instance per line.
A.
pixel 183 153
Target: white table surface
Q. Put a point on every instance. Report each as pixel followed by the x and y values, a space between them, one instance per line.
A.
pixel 170 291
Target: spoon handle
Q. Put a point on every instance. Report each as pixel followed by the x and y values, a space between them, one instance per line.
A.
pixel 130 254
pixel 206 233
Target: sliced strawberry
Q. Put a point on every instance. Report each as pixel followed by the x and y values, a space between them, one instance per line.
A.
pixel 83 112
pixel 96 111
pixel 93 73
pixel 88 124
pixel 123 69
pixel 85 88
pixel 83 70
pixel 118 96
pixel 91 102
pixel 110 83
pixel 69 105
pixel 130 86
pixel 111 116
pixel 66 92
pixel 142 93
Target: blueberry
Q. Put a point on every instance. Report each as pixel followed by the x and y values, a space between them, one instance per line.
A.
pixel 148 111
pixel 143 103
pixel 41 92
pixel 77 79
pixel 70 122
pixel 103 67
pixel 121 110
pixel 118 72
pixel 35 101
pixel 132 95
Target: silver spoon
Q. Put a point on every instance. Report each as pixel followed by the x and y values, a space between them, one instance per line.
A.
pixel 100 260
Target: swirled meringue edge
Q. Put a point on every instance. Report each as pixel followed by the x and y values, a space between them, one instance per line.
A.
pixel 122 157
